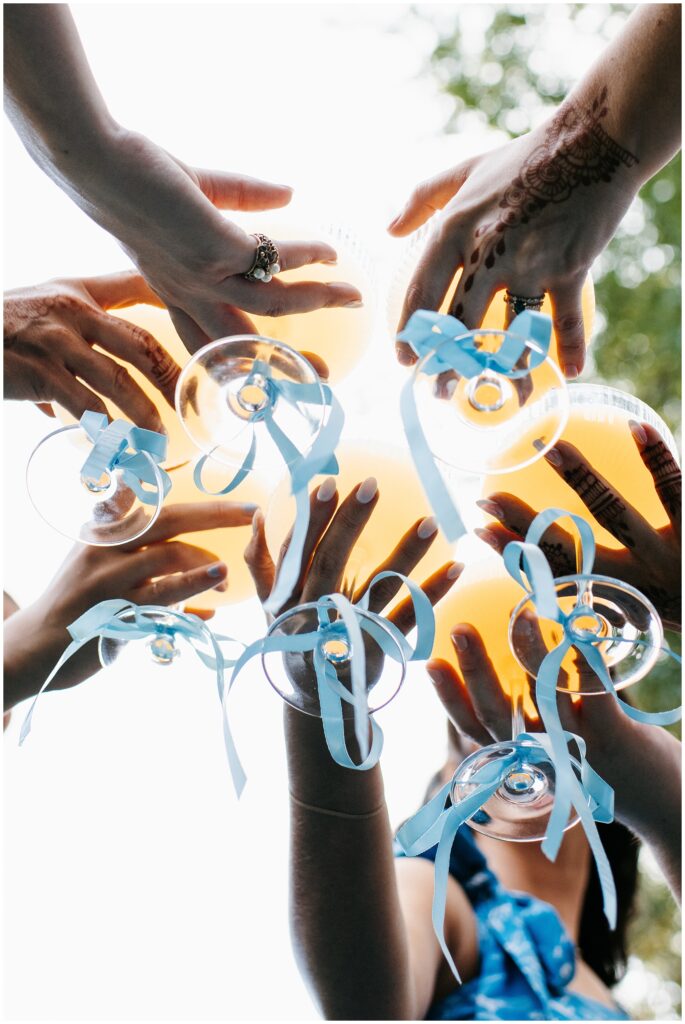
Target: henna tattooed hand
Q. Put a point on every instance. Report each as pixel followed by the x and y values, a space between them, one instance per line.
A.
pixel 530 216
pixel 650 559
pixel 49 333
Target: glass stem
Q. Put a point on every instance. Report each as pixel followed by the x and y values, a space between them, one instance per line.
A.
pixel 518 722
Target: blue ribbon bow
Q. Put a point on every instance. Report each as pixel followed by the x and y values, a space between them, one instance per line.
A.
pixel 527 564
pixel 349 626
pixel 451 346
pixel 302 468
pixel 437 824
pixel 104 620
pixel 122 445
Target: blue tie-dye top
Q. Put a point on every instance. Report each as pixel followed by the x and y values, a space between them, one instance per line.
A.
pixel 526 957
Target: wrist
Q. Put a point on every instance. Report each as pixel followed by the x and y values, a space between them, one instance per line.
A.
pixel 32 647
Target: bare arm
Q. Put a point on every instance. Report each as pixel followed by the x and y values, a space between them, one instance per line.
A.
pixel 364 944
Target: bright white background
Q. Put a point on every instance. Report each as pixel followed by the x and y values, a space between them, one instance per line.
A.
pixel 135 887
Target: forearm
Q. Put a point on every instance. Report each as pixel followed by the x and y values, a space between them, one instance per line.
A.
pixel 348 932
pixel 637 82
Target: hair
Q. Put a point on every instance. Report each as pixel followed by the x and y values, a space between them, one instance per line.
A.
pixel 603 950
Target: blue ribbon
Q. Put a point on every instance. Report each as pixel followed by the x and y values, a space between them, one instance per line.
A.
pixel 437 824
pixel 302 468
pixel 451 346
pixel 526 563
pixel 339 619
pixel 122 445
pixel 104 620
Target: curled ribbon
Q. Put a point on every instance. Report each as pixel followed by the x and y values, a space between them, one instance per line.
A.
pixel 527 564
pixel 105 620
pixel 122 445
pixel 451 346
pixel 351 622
pixel 437 824
pixel 302 468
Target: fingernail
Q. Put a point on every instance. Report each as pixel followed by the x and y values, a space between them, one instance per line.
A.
pixel 427 527
pixel 249 506
pixel 217 571
pixel 332 262
pixel 451 387
pixel 638 432
pixel 355 304
pixel 554 458
pixel 366 492
pixel 491 508
pixel 392 223
pixel 461 641
pixel 326 489
pixel 488 536
pixel 538 444
pixel 221 587
pixel 571 372
pixel 454 571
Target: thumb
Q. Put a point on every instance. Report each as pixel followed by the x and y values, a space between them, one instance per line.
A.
pixel 115 291
pixel 240 192
pixel 428 197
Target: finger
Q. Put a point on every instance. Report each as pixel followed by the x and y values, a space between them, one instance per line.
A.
pixel 406 555
pixel 183 585
pixel 240 191
pixel 258 559
pixel 456 701
pixel 72 395
pixel 516 517
pixel 46 409
pixel 331 556
pixel 665 471
pixel 218 320
pixel 279 298
pixel 472 296
pixel 322 505
pixel 569 328
pixel 112 380
pixel 433 275
pixel 191 517
pixel 435 588
pixel 320 365
pixel 302 254
pixel 497 537
pixel 428 197
pixel 116 291
pixel 164 558
pixel 200 613
pixel 608 508
pixel 492 707
pixel 134 345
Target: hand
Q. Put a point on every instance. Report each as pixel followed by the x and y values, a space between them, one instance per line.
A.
pixel 49 333
pixel 331 537
pixel 152 570
pixel 165 215
pixel 636 760
pixel 530 216
pixel 650 559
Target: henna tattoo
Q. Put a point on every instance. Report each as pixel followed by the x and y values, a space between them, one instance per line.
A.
pixel 605 505
pixel 561 563
pixel 576 151
pixel 667 476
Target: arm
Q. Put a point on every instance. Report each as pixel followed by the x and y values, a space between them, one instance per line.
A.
pixel 362 932
pixel 164 213
pixel 533 215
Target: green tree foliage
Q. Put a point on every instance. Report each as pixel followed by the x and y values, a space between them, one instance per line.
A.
pixel 505 81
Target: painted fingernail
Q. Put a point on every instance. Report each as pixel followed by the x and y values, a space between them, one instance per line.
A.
pixel 427 527
pixel 454 571
pixel 217 571
pixel 571 372
pixel 326 489
pixel 461 641
pixel 638 431
pixel 367 491
pixel 354 304
pixel 554 458
pixel 392 223
pixel 451 387
pixel 333 262
pixel 491 508
pixel 487 536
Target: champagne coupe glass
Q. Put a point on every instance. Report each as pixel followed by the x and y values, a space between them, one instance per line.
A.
pixel 102 508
